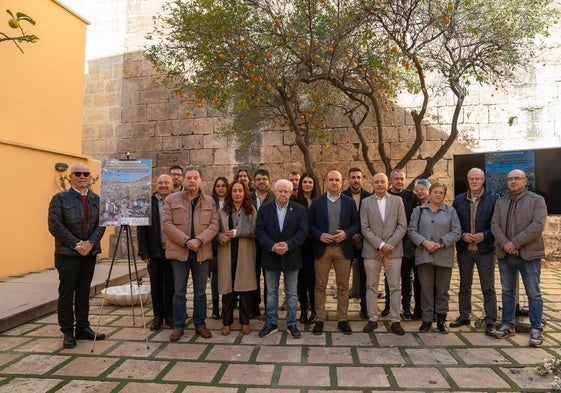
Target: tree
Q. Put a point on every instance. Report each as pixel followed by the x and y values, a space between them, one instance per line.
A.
pixel 15 23
pixel 304 61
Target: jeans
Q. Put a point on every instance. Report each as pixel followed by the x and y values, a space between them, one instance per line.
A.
pixel 272 277
pixel 530 272
pixel 199 270
pixel 486 269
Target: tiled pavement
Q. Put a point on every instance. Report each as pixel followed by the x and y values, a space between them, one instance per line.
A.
pixel 32 360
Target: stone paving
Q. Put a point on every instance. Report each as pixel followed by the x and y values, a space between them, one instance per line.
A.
pixel 32 359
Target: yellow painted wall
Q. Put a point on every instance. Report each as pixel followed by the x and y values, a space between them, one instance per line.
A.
pixel 41 92
pixel 41 100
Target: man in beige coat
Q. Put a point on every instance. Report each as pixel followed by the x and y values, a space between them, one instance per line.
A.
pixel 383 225
pixel 190 222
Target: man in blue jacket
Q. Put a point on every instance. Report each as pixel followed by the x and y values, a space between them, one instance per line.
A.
pixel 476 247
pixel 281 229
pixel 333 221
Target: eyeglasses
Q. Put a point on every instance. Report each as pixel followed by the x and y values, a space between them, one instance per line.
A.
pixel 84 174
pixel 516 178
pixel 175 174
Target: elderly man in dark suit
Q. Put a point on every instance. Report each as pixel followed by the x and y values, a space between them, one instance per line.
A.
pixel 281 229
pixel 333 221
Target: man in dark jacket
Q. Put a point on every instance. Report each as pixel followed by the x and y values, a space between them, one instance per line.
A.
pixel 476 247
pixel 358 193
pixel 282 227
pixel 152 250
pixel 333 220
pixel 74 223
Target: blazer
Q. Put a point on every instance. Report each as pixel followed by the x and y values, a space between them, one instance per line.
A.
pixel 294 232
pixel 390 230
pixel 318 223
pixel 150 237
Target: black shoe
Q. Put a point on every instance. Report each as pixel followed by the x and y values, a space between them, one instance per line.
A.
pixel 425 327
pixel 490 330
pixel 442 328
pixel 344 327
pixel 156 324
pixel 69 341
pixel 407 313
pixel 386 311
pixel 215 314
pixel 318 328
pixel 255 313
pixel 88 334
pixel 417 316
pixel 169 322
pixel 267 330
pixel 460 321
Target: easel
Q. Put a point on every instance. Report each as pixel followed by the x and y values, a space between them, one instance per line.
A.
pixel 130 251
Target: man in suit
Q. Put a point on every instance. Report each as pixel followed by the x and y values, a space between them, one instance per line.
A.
pixel 281 229
pixel 358 193
pixel 383 224
pixel 333 221
pixel 152 250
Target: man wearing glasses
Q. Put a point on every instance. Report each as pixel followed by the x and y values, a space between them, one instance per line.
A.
pixel 176 173
pixel 74 223
pixel 476 247
pixel 517 224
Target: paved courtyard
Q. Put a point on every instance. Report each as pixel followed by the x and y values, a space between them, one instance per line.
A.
pixel 32 359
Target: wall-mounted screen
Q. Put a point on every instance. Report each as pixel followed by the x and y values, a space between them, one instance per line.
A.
pixel 542 167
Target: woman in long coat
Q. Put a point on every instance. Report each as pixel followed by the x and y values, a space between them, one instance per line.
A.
pixel 236 255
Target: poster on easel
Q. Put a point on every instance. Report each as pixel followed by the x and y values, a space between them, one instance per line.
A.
pixel 126 189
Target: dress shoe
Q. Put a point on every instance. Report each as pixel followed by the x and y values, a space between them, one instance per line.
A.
pixel 245 330
pixel 370 326
pixel 460 321
pixel 442 328
pixel 318 328
pixel 425 327
pixel 156 324
pixel 226 329
pixel 386 311
pixel 88 334
pixel 203 332
pixel 69 341
pixel 397 329
pixel 169 322
pixel 175 335
pixel 344 327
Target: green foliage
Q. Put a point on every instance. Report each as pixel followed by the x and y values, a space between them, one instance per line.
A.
pixel 15 23
pixel 298 63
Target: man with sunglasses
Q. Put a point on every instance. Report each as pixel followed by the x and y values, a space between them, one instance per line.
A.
pixel 74 223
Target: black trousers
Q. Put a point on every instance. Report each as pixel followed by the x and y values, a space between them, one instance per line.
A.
pixel 161 287
pixel 228 304
pixel 307 279
pixel 75 275
pixel 408 267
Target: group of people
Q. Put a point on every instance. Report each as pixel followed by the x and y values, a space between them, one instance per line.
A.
pixel 245 229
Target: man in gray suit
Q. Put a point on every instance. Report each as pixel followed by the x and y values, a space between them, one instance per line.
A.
pixel 383 225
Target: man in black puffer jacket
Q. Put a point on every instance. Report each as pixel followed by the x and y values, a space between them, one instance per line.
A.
pixel 74 223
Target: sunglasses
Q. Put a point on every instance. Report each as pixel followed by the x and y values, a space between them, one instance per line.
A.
pixel 78 174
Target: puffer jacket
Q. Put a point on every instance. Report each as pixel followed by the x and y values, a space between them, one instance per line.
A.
pixel 176 224
pixel 66 222
pixel 531 216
